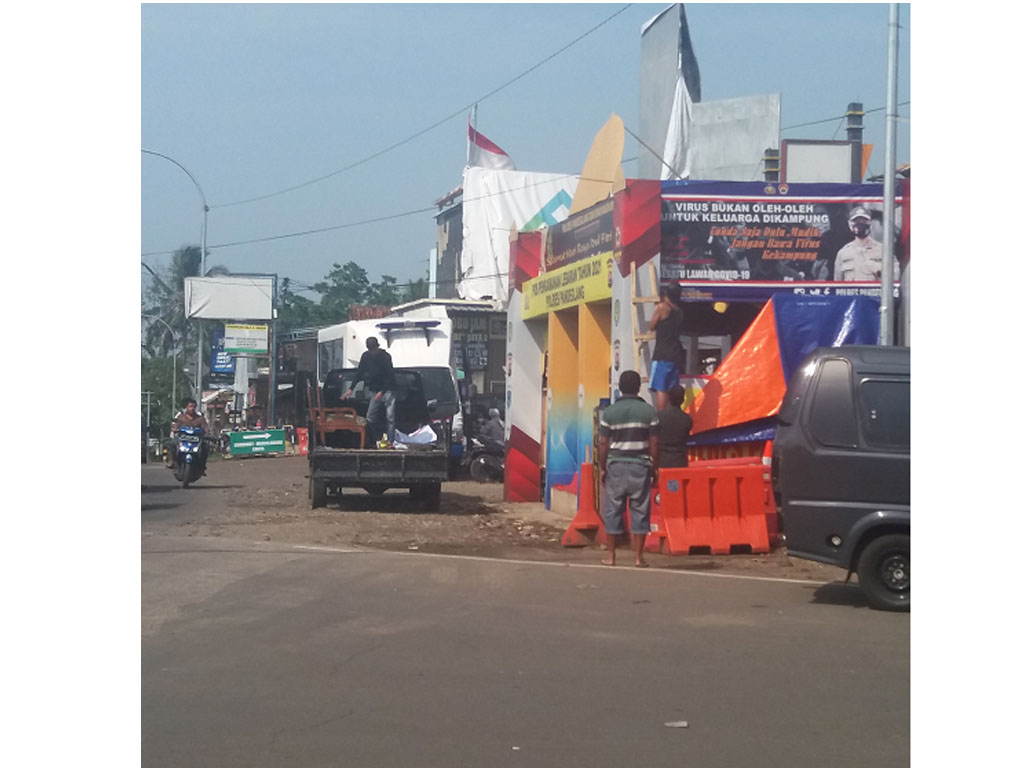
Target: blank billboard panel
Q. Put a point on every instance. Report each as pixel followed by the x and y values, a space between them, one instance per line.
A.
pixel 232 297
pixel 828 162
pixel 730 136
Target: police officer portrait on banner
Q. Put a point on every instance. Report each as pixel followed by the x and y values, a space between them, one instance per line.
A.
pixel 861 258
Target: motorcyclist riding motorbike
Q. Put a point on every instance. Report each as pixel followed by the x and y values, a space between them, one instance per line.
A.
pixel 485 457
pixel 493 428
pixel 190 417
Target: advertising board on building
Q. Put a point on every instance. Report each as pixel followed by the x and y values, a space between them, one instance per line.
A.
pixel 734 241
pixel 583 235
pixel 220 361
pixel 568 286
pixel 241 339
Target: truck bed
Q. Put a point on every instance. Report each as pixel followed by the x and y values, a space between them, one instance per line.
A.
pixel 384 466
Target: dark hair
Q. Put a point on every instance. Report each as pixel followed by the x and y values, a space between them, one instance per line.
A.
pixel 676 395
pixel 187 400
pixel 372 342
pixel 629 383
pixel 674 293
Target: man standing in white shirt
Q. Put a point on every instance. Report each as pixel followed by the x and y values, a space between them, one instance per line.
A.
pixel 860 259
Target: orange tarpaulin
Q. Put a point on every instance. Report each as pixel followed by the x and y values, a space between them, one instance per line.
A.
pixel 728 398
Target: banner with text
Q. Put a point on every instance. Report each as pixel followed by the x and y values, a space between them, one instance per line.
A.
pixel 576 283
pixel 582 235
pixel 745 240
pixel 245 339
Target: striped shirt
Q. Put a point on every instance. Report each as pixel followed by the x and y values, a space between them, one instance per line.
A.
pixel 628 424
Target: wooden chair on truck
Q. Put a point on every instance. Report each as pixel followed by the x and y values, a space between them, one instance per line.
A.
pixel 325 421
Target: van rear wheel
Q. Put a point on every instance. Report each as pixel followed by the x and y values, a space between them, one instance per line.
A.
pixel 884 572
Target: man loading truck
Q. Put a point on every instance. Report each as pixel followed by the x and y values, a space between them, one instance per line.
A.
pixel 378 374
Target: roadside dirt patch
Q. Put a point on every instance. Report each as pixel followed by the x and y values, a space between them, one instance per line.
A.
pixel 266 499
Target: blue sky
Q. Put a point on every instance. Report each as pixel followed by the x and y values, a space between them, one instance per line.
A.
pixel 255 99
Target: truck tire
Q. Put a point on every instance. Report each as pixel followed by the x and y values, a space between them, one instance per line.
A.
pixel 431 497
pixel 883 571
pixel 317 493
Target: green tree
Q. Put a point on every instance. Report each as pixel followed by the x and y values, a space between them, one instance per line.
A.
pixel 418 289
pixel 165 299
pixel 157 379
pixel 341 288
pixel 386 293
pixel 295 311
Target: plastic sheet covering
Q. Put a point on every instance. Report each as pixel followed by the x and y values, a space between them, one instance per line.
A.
pixel 749 385
pixel 805 323
pixel 422 436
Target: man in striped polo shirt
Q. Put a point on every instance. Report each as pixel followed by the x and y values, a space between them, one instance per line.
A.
pixel 628 458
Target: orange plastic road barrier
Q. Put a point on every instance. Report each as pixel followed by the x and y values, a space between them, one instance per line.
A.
pixel 715 507
pixel 771 511
pixel 656 538
pixel 302 435
pixel 586 526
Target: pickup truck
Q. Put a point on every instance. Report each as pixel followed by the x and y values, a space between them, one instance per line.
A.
pixel 343 450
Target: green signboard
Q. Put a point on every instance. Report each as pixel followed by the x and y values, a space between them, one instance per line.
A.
pixel 260 441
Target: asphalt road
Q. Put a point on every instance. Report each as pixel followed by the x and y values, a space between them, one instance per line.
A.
pixel 268 654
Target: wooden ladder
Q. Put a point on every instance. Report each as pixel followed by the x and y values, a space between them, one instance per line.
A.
pixel 642 339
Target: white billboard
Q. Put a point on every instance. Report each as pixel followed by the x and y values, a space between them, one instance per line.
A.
pixel 817 161
pixel 729 137
pixel 229 297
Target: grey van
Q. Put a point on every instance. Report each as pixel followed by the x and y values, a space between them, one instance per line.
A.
pixel 841 466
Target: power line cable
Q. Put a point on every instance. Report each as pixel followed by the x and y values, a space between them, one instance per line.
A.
pixel 839 117
pixel 431 127
pixel 376 219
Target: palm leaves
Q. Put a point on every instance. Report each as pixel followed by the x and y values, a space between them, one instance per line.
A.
pixel 165 299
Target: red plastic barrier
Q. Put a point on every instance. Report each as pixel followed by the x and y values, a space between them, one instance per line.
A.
pixel 716 507
pixel 302 436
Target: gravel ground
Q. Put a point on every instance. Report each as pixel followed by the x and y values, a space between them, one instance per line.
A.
pixel 265 498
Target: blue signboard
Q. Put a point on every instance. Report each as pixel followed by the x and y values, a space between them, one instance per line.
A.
pixel 220 362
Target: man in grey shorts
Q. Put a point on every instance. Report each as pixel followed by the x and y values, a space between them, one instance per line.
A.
pixel 628 458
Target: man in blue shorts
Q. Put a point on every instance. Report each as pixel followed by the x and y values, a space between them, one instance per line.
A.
pixel 668 357
pixel 627 455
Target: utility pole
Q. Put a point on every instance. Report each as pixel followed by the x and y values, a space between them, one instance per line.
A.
pixel 889 201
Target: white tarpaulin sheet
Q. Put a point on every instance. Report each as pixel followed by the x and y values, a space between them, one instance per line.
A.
pixel 229 298
pixel 494 204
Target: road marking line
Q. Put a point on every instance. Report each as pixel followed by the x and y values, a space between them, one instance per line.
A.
pixel 601 567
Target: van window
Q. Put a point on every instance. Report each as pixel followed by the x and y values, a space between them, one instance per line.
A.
pixel 438 385
pixel 833 421
pixel 886 413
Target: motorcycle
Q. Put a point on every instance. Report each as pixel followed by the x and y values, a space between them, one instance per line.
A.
pixel 485 458
pixel 189 461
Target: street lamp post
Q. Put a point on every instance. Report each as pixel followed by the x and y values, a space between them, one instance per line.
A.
pixel 199 326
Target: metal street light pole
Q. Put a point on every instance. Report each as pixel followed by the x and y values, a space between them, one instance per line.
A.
pixel 199 326
pixel 889 190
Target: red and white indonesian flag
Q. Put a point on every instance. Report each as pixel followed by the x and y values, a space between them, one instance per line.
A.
pixel 484 153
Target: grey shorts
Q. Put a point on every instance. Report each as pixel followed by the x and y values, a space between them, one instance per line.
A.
pixel 630 480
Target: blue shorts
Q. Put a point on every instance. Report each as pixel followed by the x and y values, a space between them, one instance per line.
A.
pixel 664 375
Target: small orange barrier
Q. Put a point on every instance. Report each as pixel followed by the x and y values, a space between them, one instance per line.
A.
pixel 715 505
pixel 586 526
pixel 302 438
